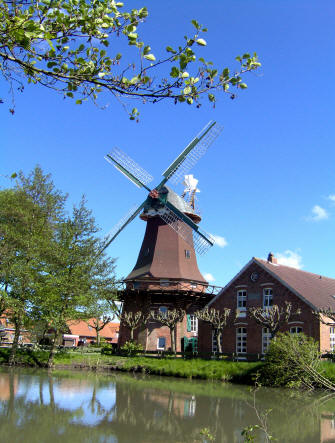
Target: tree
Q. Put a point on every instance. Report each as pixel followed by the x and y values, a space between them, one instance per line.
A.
pixel 99 317
pixel 68 286
pixel 27 217
pixel 133 320
pixel 325 316
pixel 170 318
pixel 217 319
pixel 274 317
pixel 73 47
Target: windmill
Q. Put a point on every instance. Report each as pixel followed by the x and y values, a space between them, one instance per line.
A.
pixel 157 201
pixel 166 274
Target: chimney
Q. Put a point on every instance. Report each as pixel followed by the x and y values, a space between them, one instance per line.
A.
pixel 272 259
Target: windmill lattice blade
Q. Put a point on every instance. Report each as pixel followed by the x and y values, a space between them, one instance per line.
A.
pixel 113 233
pixel 125 164
pixel 192 237
pixel 198 149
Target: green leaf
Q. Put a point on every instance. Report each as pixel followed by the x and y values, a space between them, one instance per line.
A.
pixel 195 24
pixel 150 57
pixel 201 42
pixel 243 86
pixel 174 72
pixel 79 102
pixel 169 49
pixel 69 94
pixel 190 100
pixel 146 50
pixel 14 175
pixel 211 97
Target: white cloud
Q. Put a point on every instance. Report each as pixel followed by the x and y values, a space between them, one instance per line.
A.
pixel 331 197
pixel 209 277
pixel 289 258
pixel 220 241
pixel 318 213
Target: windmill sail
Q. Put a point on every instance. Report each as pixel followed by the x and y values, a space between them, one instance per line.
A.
pixel 186 228
pixel 192 153
pixel 127 166
pixel 113 233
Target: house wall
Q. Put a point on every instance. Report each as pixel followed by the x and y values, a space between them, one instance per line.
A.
pixel 148 336
pixel 228 299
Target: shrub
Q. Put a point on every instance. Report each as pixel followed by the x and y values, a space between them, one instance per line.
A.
pixel 131 349
pixel 291 361
pixel 107 350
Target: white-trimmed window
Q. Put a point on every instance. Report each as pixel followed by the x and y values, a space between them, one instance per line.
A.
pixel 215 342
pixel 194 323
pixel 241 340
pixel 267 298
pixel 332 338
pixel 266 338
pixel 161 342
pixel 163 310
pixel 242 302
pixel 187 253
pixel 295 329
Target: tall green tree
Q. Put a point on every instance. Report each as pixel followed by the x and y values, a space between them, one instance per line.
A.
pixel 78 49
pixel 28 214
pixel 75 275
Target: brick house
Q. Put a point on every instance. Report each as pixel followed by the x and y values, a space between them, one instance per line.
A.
pixel 7 332
pixel 81 333
pixel 263 283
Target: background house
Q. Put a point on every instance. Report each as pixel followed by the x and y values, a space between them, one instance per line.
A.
pixel 81 333
pixel 263 283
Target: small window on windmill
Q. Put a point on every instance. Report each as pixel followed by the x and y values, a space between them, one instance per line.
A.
pixel 187 253
pixel 146 252
pixel 163 310
pixel 164 282
pixel 136 284
pixel 193 285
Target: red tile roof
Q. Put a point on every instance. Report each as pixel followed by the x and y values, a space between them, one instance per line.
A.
pixel 81 328
pixel 317 290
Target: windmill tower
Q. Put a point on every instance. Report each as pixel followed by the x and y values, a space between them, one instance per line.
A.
pixel 166 273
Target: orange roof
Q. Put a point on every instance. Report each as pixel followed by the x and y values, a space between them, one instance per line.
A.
pixel 83 328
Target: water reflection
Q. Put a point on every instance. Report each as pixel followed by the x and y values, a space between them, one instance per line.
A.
pixel 39 407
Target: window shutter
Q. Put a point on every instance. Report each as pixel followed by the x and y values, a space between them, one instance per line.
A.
pixel 188 320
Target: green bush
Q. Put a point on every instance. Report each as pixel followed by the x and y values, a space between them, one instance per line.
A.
pixel 130 348
pixel 107 350
pixel 286 361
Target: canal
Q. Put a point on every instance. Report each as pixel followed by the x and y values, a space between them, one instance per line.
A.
pixel 36 406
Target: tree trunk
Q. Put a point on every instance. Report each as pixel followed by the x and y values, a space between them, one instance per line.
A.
pixel 218 338
pixel 52 351
pixel 97 335
pixel 15 344
pixel 173 341
pixel 131 334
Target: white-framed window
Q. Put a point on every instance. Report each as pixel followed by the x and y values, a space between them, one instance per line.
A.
pixel 163 310
pixel 332 338
pixel 242 302
pixel 295 329
pixel 266 338
pixel 241 340
pixel 215 342
pixel 194 323
pixel 267 298
pixel 187 253
pixel 161 342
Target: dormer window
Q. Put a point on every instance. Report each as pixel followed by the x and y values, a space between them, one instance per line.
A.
pixel 187 253
pixel 164 282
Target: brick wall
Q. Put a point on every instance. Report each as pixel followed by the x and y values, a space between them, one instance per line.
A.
pixel 228 299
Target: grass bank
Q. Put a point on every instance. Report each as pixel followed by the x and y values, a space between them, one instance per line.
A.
pixel 235 372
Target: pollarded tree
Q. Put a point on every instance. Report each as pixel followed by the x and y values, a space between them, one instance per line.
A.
pixel 74 47
pixel 99 316
pixel 217 319
pixel 133 320
pixel 325 316
pixel 170 318
pixel 273 317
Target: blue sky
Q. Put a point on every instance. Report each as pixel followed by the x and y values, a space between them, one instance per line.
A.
pixel 266 183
